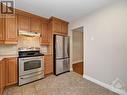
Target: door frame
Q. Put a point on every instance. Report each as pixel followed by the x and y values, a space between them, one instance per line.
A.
pixel 71 48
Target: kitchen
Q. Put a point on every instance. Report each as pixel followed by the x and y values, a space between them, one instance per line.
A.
pixel 60 47
pixel 26 37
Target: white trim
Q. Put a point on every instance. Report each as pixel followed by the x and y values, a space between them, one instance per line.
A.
pixel 71 69
pixel 77 61
pixel 119 91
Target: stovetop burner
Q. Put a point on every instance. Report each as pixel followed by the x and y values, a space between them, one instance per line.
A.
pixel 23 54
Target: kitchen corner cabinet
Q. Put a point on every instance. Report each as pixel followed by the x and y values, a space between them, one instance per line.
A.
pixel 11 71
pixel 48 63
pixel 23 23
pixel 8 30
pixel 46 34
pixel 59 26
pixel 35 24
pixel 2 77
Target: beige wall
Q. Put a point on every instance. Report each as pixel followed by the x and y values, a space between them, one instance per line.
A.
pixel 106 42
pixel 77 46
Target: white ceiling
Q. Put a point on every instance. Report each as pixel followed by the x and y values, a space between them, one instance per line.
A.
pixel 66 9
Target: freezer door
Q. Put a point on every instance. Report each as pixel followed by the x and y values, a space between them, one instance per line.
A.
pixel 59 66
pixel 59 47
pixel 66 65
pixel 62 65
pixel 66 47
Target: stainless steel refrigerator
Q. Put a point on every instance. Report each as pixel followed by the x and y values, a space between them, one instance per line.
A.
pixel 61 54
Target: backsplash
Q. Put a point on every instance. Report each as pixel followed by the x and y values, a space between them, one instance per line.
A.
pixel 8 50
pixel 28 42
pixel 44 49
pixel 25 42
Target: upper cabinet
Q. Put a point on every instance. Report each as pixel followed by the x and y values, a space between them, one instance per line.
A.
pixel 56 26
pixel 8 30
pixel 59 26
pixel 30 24
pixel 35 24
pixel 23 23
pixel 1 30
pixel 46 34
pixel 11 30
pixel 64 28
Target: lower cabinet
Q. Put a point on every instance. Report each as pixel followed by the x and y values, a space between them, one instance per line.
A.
pixel 48 63
pixel 11 71
pixel 1 88
pixel 2 76
pixel 8 73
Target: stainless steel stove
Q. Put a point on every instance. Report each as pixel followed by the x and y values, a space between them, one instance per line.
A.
pixel 31 66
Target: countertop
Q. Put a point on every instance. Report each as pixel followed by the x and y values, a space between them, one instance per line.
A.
pixel 7 56
pixel 13 55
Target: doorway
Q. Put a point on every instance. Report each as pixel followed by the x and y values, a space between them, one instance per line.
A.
pixel 78 50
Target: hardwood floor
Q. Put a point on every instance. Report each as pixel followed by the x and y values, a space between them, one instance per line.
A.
pixel 78 68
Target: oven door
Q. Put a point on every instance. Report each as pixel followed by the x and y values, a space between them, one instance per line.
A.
pixel 30 65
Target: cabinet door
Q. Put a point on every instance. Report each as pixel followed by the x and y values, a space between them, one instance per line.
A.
pixel 57 26
pixel 44 33
pixel 11 30
pixel 35 25
pixel 50 35
pixel 1 29
pixel 64 28
pixel 2 76
pixel 1 88
pixel 48 61
pixel 23 23
pixel 11 71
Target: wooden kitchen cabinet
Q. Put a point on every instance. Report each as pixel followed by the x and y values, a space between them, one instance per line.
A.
pixel 46 35
pixel 29 24
pixel 48 64
pixel 59 26
pixel 11 30
pixel 64 28
pixel 56 26
pixel 2 76
pixel 35 25
pixel 11 71
pixel 23 23
pixel 1 88
pixel 1 30
pixel 8 30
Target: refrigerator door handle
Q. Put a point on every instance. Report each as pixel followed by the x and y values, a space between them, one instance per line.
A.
pixel 66 47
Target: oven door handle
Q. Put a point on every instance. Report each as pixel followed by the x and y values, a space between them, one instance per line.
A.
pixel 31 59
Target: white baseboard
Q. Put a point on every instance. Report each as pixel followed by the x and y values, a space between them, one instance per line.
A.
pixel 119 91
